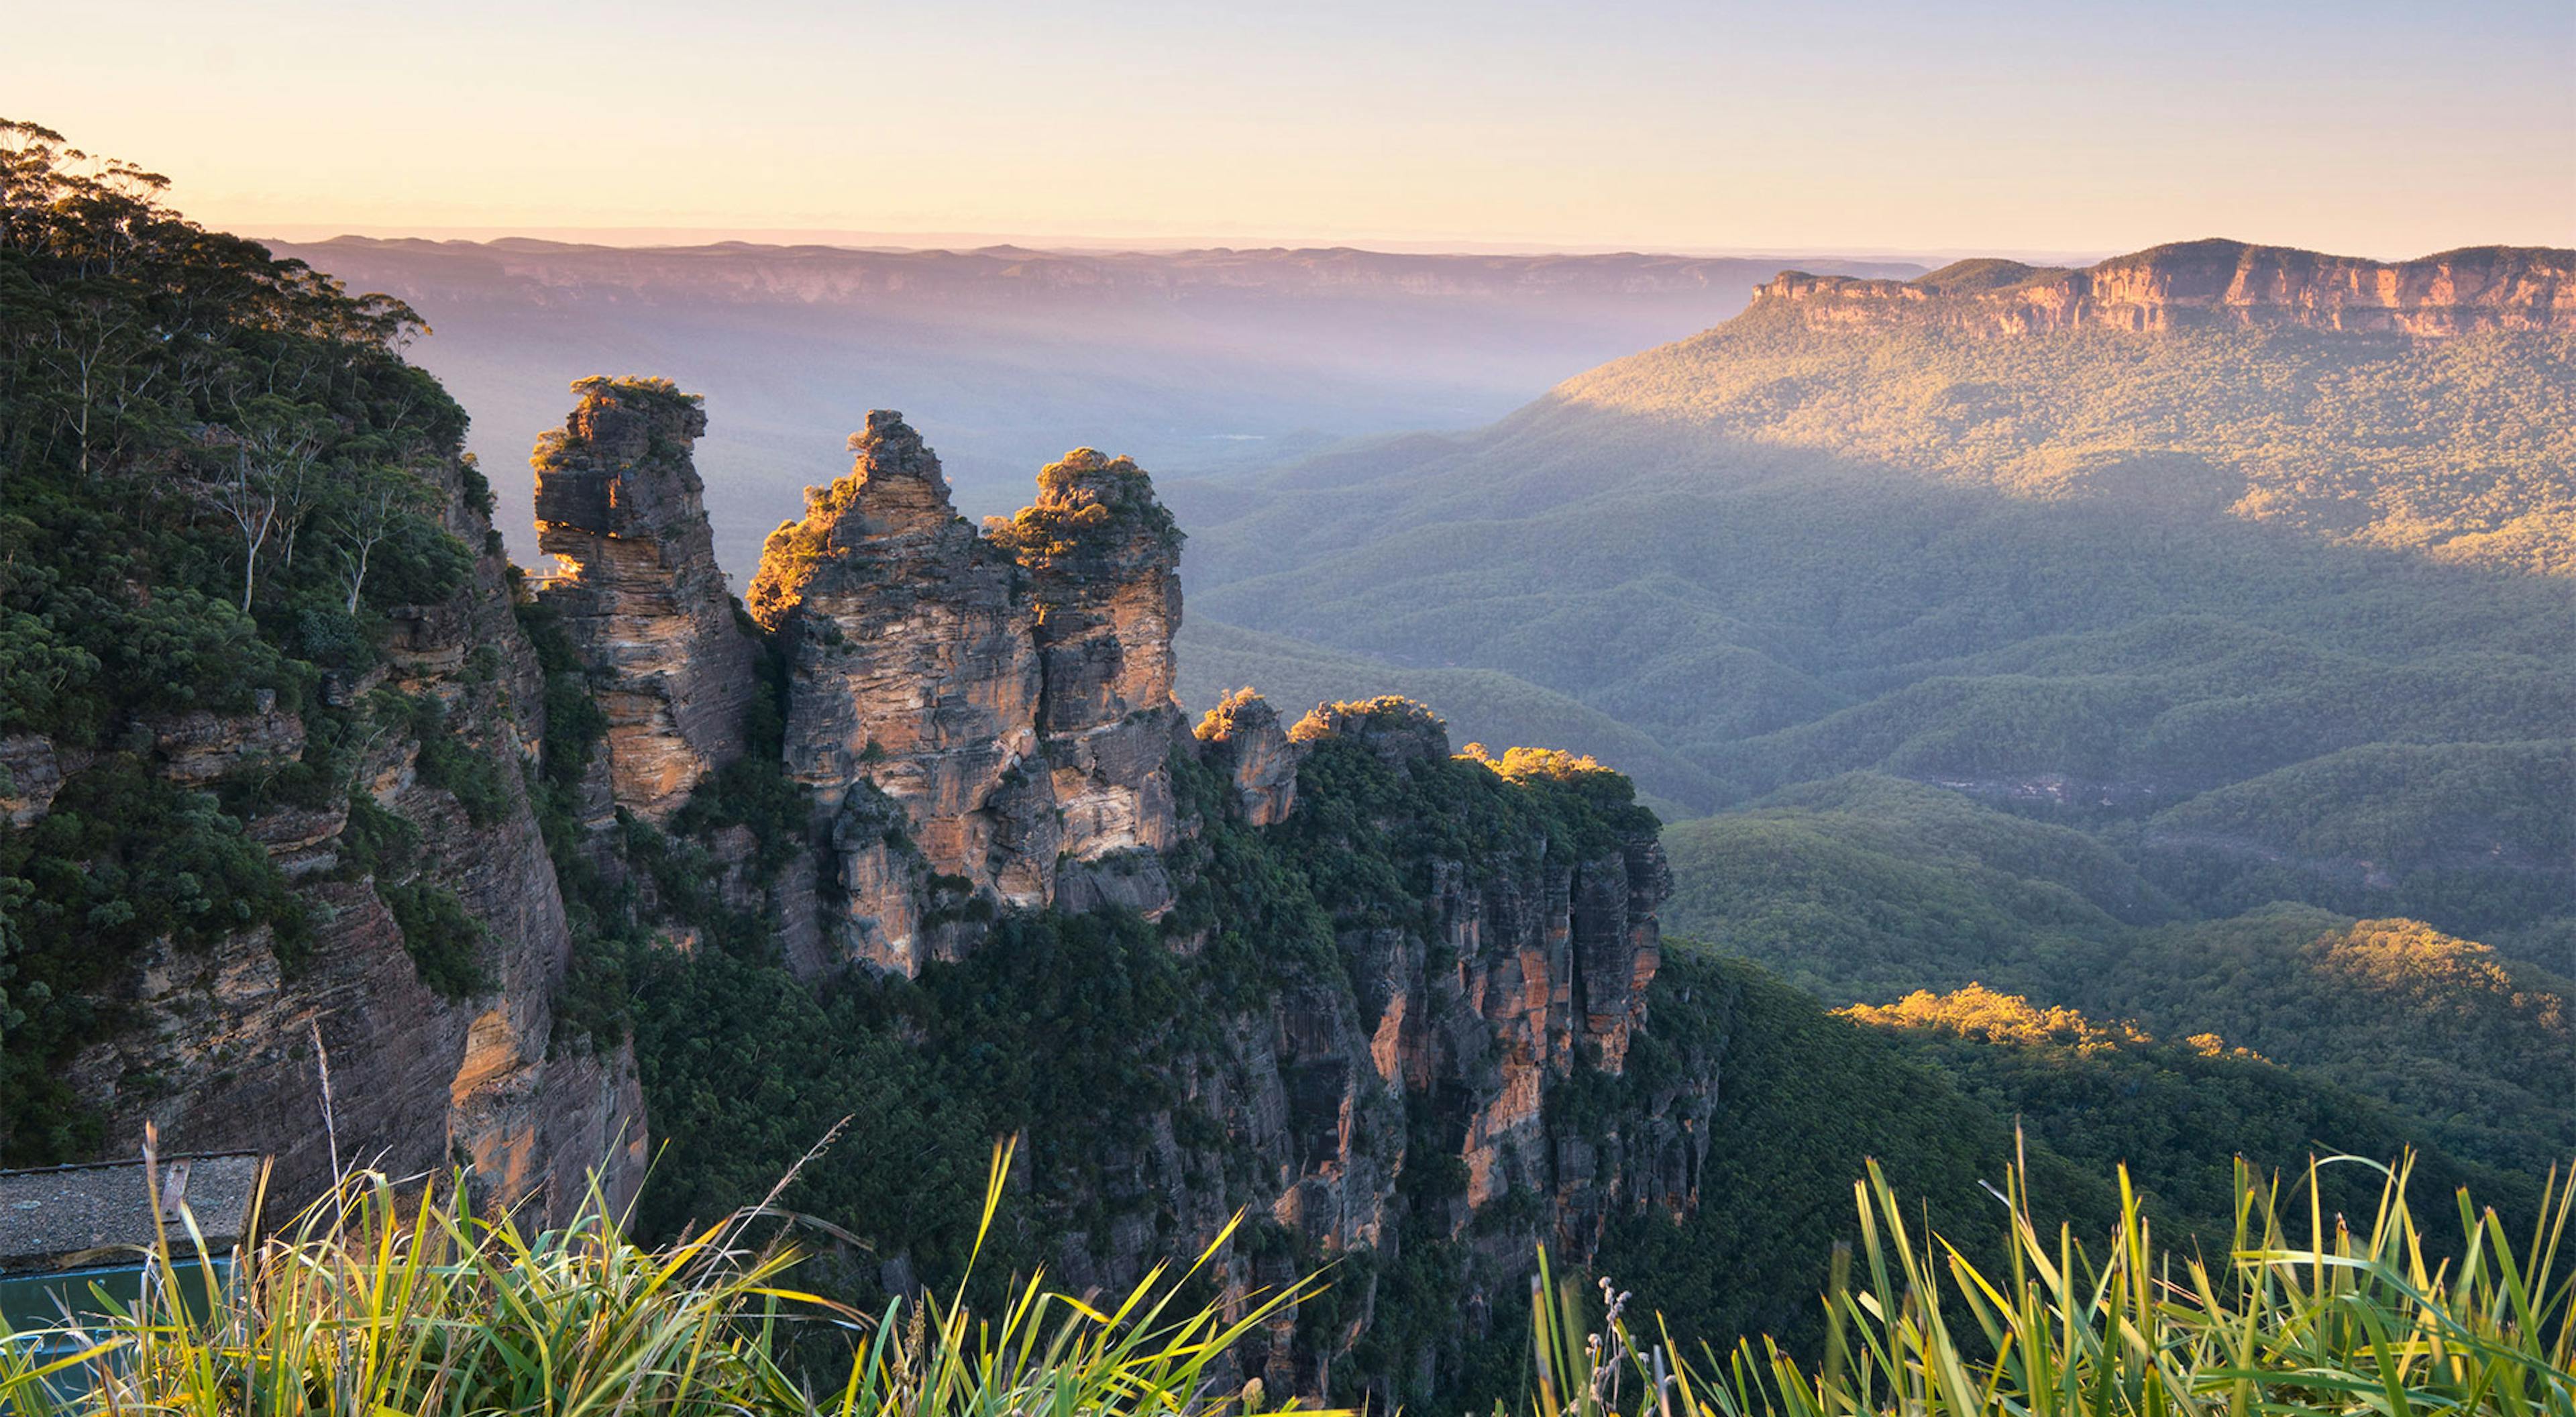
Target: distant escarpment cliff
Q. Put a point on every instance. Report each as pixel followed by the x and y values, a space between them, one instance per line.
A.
pixel 2208 283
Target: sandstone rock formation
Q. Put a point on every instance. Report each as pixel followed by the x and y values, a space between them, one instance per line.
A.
pixel 1242 738
pixel 977 710
pixel 1387 1005
pixel 2211 282
pixel 620 505
pixel 1100 561
pixel 31 773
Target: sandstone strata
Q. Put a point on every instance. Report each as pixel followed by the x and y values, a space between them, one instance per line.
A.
pixel 621 507
pixel 987 716
pixel 2209 283
pixel 217 1046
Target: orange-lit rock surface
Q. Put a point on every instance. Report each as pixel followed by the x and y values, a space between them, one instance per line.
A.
pixel 988 715
pixel 621 507
pixel 1244 739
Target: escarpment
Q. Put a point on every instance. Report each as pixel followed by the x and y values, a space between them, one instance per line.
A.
pixel 436 942
pixel 1431 1069
pixel 2208 283
pixel 620 505
pixel 985 717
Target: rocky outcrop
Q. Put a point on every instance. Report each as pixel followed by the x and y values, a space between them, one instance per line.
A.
pixel 983 715
pixel 2207 283
pixel 1100 562
pixel 1243 739
pixel 621 508
pixel 32 769
pixel 195 748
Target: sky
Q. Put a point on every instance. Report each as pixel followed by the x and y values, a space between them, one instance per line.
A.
pixel 2360 127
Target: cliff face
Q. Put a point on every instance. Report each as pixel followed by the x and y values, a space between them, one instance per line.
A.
pixel 1100 570
pixel 619 503
pixel 1404 987
pixel 969 709
pixel 2209 283
pixel 216 1046
pixel 1408 1086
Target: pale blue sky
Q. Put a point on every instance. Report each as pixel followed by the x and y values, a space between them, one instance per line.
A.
pixel 2367 128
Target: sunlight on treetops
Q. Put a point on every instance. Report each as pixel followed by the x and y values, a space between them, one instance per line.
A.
pixel 1977 1012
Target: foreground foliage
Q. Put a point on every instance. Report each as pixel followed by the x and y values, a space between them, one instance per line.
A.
pixel 376 1304
pixel 2347 1319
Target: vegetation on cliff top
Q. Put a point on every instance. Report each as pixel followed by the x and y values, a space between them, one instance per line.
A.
pixel 554 445
pixel 220 476
pixel 1088 505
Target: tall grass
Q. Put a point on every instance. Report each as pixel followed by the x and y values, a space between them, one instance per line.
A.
pixel 377 1304
pixel 2344 1320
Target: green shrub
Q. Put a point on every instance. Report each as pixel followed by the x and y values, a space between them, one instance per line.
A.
pixel 447 760
pixel 445 941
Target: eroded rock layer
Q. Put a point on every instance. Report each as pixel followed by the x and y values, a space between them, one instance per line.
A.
pixel 1403 1081
pixel 621 507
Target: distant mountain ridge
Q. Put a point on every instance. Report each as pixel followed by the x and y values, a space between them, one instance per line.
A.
pixel 1193 362
pixel 521 268
pixel 2092 572
pixel 2211 282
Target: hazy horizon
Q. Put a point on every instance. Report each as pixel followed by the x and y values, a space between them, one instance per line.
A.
pixel 1861 126
pixel 681 238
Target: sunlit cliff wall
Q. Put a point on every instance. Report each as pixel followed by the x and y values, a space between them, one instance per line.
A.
pixel 2210 283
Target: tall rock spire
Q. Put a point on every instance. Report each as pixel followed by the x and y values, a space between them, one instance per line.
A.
pixel 620 505
pixel 1100 560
